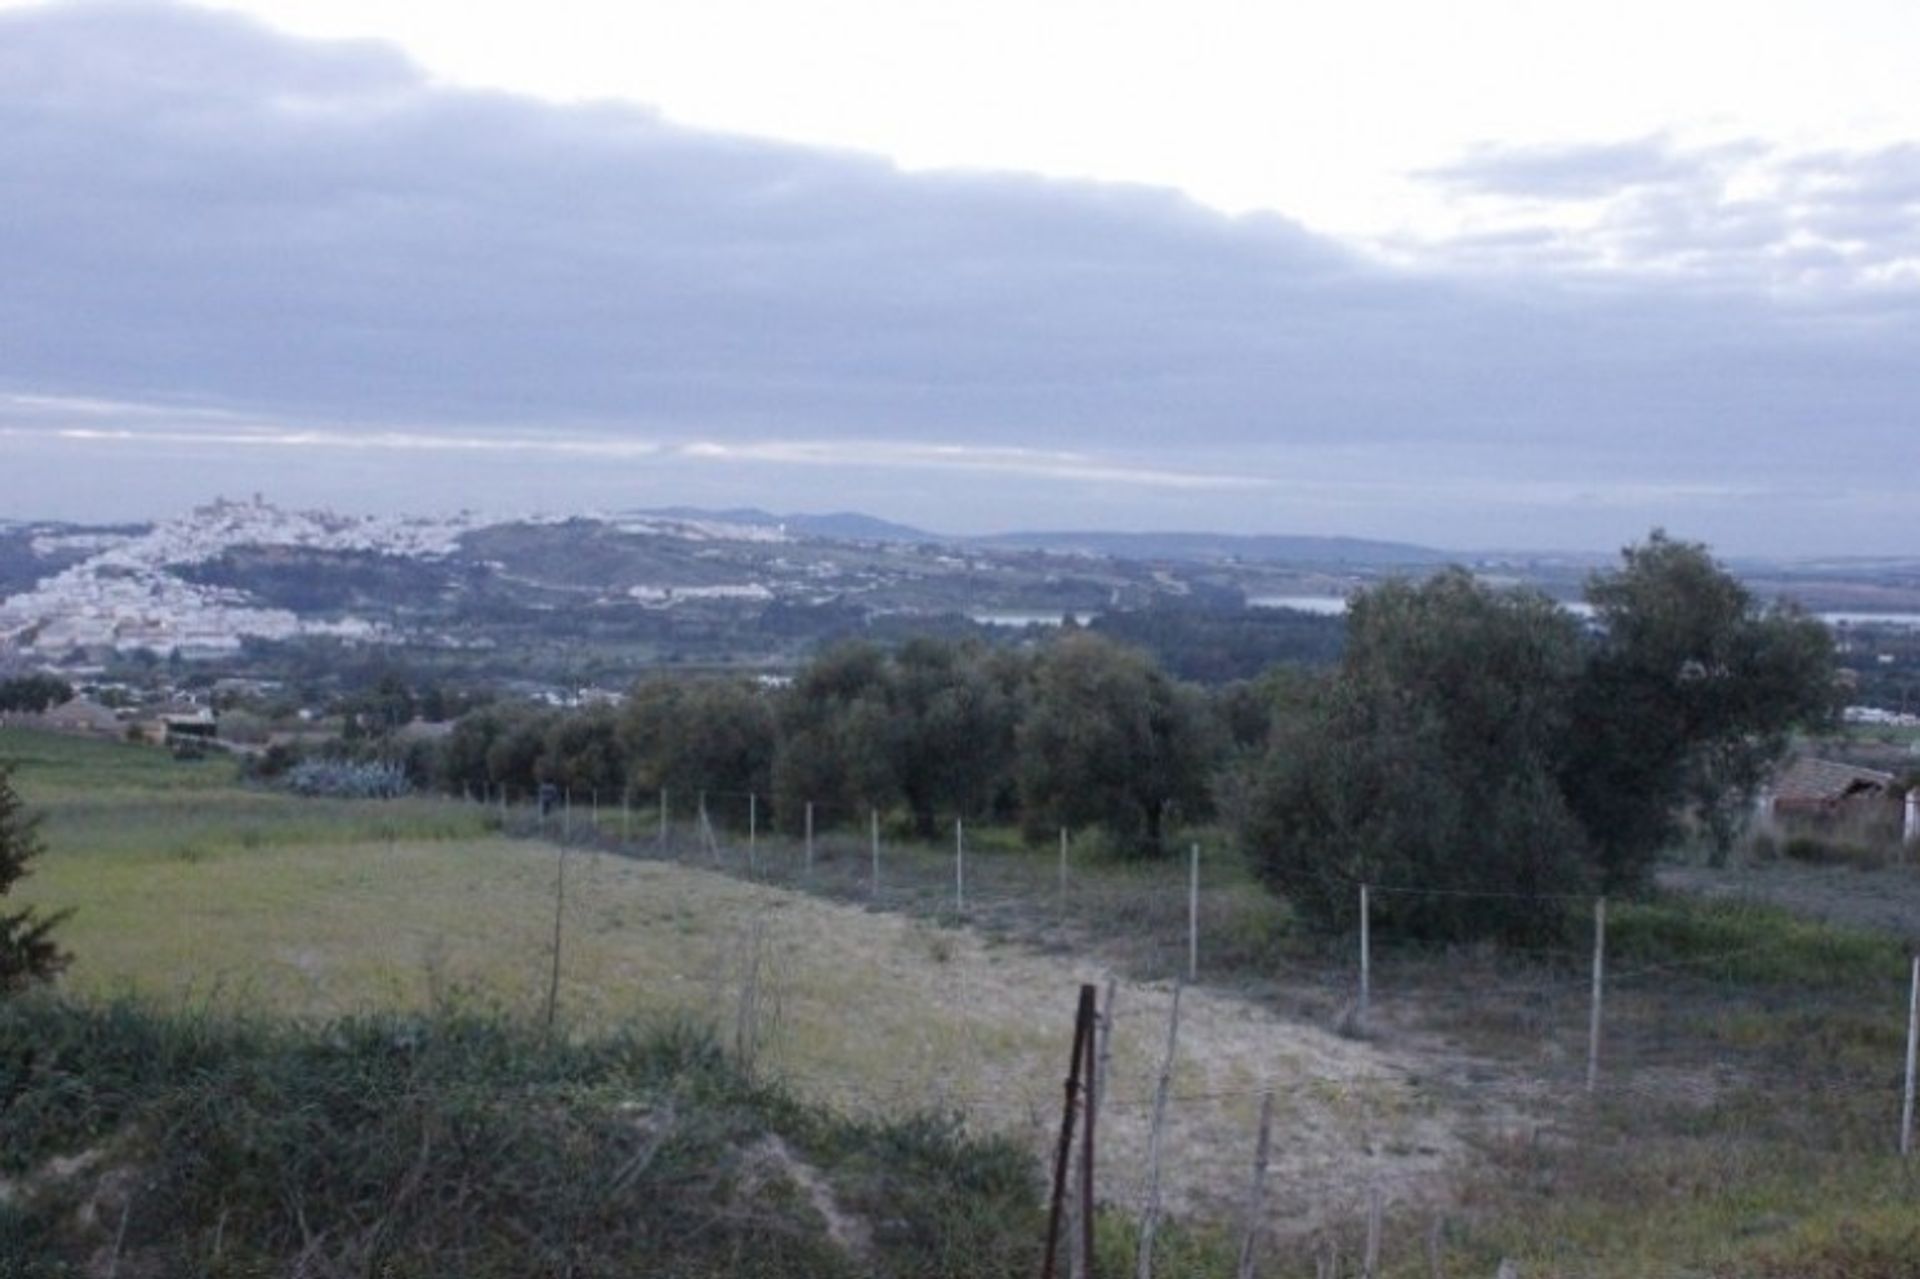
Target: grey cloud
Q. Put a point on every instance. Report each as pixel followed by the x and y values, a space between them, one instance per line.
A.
pixel 1582 172
pixel 201 212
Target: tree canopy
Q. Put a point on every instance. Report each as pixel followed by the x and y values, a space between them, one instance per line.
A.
pixel 1478 749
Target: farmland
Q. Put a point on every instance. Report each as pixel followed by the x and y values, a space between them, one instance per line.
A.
pixel 1744 1127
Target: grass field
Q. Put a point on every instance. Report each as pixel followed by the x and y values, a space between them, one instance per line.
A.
pixel 1745 1124
pixel 205 895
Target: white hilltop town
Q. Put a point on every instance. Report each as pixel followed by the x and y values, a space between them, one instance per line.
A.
pixel 124 596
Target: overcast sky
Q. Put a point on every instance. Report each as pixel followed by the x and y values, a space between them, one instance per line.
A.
pixel 1491 280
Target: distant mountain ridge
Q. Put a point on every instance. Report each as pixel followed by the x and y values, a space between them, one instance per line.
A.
pixel 1216 547
pixel 850 526
pixel 1193 547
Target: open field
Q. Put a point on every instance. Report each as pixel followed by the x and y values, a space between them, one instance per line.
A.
pixel 1750 1068
pixel 319 908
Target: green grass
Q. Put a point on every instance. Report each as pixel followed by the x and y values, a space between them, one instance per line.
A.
pixel 1747 943
pixel 118 800
pixel 1751 1056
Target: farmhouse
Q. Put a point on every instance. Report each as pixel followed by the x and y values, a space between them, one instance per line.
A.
pixel 1825 788
pixel 197 726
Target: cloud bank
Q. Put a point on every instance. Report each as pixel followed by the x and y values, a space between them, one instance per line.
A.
pixel 214 231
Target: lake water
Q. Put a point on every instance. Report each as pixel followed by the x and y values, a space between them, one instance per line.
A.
pixel 1334 606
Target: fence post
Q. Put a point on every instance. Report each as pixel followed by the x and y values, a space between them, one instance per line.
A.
pixel 1370 1261
pixel 1193 914
pixel 559 911
pixel 1063 1156
pixel 873 837
pixel 566 814
pixel 1150 1212
pixel 1256 1194
pixel 1913 1051
pixel 663 819
pixel 1599 982
pixel 1106 1037
pixel 753 825
pixel 959 866
pixel 1366 957
pixel 1063 870
pixel 809 866
pixel 1093 1094
pixel 626 815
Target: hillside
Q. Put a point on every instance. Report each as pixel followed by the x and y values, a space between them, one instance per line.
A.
pixel 251 590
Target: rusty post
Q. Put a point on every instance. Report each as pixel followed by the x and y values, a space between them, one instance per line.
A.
pixel 1092 1104
pixel 1082 1032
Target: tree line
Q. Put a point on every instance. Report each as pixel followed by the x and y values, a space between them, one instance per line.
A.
pixel 1082 732
pixel 1480 744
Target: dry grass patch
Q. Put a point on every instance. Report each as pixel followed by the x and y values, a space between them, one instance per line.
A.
pixel 868 1012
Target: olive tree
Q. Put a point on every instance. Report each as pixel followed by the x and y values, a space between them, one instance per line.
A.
pixel 1483 751
pixel 1109 740
pixel 1429 760
pixel 1691 692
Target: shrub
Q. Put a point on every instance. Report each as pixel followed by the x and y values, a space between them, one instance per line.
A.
pixel 345 779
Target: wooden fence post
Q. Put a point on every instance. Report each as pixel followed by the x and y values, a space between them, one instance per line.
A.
pixel 663 819
pixel 873 837
pixel 809 864
pixel 959 867
pixel 1093 1095
pixel 1063 1155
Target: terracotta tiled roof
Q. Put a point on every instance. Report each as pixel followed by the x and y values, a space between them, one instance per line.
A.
pixel 1822 781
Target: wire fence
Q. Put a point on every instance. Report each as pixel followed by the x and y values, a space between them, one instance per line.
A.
pixel 1563 1054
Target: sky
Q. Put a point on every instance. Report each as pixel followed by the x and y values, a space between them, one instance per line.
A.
pixel 1480 275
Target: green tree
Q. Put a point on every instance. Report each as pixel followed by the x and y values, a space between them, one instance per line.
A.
pixel 1429 761
pixel 838 736
pixel 951 730
pixel 1477 750
pixel 692 735
pixel 34 693
pixel 584 752
pixel 516 754
pixel 28 953
pixel 1691 693
pixel 1109 740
